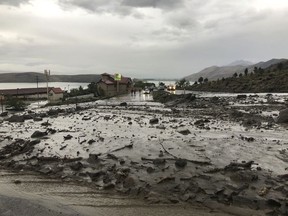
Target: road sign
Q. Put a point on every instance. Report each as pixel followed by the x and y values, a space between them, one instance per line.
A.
pixel 117 76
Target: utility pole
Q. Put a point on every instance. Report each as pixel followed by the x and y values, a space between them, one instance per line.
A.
pixel 1 98
pixel 47 74
pixel 37 90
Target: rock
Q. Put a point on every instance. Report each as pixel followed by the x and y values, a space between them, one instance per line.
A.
pixel 27 117
pixel 3 114
pixel 150 169
pixel 272 202
pixel 51 130
pixel 37 119
pixel 76 166
pixel 17 181
pixel 241 97
pixel 93 158
pixel 107 178
pixel 123 104
pixel 244 201
pixel 161 127
pixel 68 137
pixel 38 134
pixel 173 199
pixel 16 118
pixel 283 116
pixel 234 166
pixel 154 121
pixel 63 147
pixel 122 161
pixel 34 142
pixel 215 99
pixel 107 117
pixel 249 139
pixel 108 186
pixel 159 161
pixel 91 141
pixel 244 176
pixel 45 124
pixel 263 191
pixel 153 197
pixel 95 176
pixel 53 112
pixel 86 118
pixel 112 156
pixel 184 132
pixel 180 163
pixel 45 170
pixel 129 182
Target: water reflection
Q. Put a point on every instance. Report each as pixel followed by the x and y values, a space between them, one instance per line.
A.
pixel 137 97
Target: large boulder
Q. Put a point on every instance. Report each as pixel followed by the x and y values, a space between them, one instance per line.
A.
pixel 38 134
pixel 3 114
pixel 283 116
pixel 16 118
pixel 154 121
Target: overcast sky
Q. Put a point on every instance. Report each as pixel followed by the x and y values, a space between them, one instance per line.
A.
pixel 139 38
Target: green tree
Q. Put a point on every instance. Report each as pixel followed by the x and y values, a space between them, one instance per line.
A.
pixel 15 104
pixel 182 84
pixel 81 89
pixel 255 70
pixel 205 80
pixel 260 70
pixel 92 88
pixel 235 75
pixel 240 75
pixel 200 80
pixel 246 71
pixel 280 66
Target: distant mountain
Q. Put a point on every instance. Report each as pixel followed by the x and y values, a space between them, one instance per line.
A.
pixel 272 79
pixel 32 76
pixel 240 63
pixel 215 72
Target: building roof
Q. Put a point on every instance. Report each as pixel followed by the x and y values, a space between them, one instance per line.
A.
pixel 56 90
pixel 110 79
pixel 27 91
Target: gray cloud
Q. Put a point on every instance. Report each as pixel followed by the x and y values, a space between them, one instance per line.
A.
pixel 90 5
pixel 121 7
pixel 164 4
pixel 168 38
pixel 13 2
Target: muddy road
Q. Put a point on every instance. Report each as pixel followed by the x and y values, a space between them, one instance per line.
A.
pixel 30 194
pixel 209 151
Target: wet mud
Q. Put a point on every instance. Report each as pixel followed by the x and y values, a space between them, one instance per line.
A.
pixel 194 150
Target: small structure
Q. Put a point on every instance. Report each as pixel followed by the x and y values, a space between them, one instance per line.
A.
pixel 110 87
pixel 55 94
pixel 32 93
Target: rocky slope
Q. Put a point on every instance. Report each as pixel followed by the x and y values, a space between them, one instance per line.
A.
pixel 272 79
pixel 218 72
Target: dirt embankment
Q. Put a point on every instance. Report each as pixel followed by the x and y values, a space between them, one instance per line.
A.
pixel 223 150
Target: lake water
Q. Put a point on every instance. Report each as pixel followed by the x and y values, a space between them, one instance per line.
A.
pixel 63 85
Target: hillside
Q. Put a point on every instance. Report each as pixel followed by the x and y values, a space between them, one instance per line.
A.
pixel 31 77
pixel 215 72
pixel 272 79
